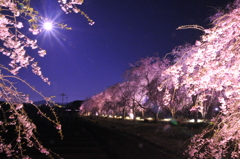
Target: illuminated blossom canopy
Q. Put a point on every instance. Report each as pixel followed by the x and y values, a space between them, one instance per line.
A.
pixel 212 65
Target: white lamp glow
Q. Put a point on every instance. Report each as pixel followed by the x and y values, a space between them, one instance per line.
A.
pixel 48 25
pixel 131 115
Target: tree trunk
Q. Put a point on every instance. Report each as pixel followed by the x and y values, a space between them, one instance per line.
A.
pixel 123 116
pixel 195 116
pixel 194 100
pixel 143 114
pixel 204 114
pixel 173 113
pixel 156 115
pixel 134 116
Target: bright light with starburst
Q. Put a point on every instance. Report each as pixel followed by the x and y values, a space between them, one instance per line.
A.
pixel 48 25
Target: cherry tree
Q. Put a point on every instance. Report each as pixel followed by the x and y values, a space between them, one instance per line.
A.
pixel 109 102
pixel 114 99
pixel 102 103
pixel 95 105
pixel 87 106
pixel 121 98
pixel 105 102
pixel 174 99
pixel 136 97
pixel 212 64
pixel 125 101
pixel 14 46
pixel 147 74
pixel 192 100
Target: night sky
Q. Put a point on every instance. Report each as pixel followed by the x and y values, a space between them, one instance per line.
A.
pixel 87 59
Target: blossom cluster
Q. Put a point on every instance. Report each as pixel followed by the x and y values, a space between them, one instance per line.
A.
pixel 69 6
pixel 15 42
pixel 14 46
pixel 212 65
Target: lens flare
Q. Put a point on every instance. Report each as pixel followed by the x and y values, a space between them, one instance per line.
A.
pixel 48 25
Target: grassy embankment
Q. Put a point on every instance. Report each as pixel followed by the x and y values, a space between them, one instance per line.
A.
pixel 171 137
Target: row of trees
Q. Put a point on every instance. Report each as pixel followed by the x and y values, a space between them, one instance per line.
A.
pixel 198 76
pixel 147 88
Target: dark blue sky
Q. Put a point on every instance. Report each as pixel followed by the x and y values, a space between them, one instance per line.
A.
pixel 86 60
